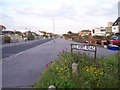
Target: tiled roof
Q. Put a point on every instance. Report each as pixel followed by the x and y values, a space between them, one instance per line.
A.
pixel 116 22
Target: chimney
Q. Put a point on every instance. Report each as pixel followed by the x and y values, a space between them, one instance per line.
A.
pixel 119 9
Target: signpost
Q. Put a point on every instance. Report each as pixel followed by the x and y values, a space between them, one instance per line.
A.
pixel 91 48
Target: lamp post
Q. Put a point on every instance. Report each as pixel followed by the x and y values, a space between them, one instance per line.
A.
pixel 53 28
pixel 118 27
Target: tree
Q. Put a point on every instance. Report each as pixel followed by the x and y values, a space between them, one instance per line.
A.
pixel 69 32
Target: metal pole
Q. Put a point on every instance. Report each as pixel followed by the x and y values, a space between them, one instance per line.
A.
pixel 71 48
pixel 95 54
pixel 53 28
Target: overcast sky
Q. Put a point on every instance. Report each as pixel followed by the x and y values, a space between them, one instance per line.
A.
pixel 69 15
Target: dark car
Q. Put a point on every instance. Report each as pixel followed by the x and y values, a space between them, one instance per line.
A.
pixel 115 40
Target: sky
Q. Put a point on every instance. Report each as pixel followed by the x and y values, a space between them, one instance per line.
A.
pixel 68 15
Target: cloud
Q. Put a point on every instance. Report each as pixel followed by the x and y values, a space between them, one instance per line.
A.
pixel 68 14
pixel 65 11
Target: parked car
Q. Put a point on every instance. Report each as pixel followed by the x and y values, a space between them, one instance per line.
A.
pixel 115 40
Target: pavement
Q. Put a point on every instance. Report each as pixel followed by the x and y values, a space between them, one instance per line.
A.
pixel 25 68
pixel 19 43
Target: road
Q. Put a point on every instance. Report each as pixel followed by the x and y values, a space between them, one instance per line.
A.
pixel 25 68
pixel 16 48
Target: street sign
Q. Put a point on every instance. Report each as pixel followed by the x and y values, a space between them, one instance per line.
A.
pixel 91 48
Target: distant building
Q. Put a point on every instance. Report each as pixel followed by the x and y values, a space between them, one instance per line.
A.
pixel 84 32
pixel 108 29
pixel 99 31
pixel 110 24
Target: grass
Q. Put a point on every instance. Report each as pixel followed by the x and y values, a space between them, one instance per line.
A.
pixel 104 74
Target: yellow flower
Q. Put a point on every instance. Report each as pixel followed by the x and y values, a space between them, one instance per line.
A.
pixel 56 68
pixel 87 70
pixel 101 73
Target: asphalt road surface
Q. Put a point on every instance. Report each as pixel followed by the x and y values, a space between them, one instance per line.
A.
pixel 24 69
pixel 10 50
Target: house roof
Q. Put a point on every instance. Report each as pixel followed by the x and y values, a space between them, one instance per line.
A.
pixel 7 32
pixel 85 31
pixel 17 32
pixel 42 31
pixel 116 22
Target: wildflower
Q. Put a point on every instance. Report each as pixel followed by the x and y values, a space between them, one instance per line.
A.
pixel 101 73
pixel 87 70
pixel 56 68
pixel 61 77
pixel 65 60
pixel 51 62
pixel 46 65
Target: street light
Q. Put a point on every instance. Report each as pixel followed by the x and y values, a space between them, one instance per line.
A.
pixel 53 27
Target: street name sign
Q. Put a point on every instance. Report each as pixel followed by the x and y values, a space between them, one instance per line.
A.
pixel 91 48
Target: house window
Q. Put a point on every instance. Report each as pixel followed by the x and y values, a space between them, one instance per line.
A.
pixel 114 28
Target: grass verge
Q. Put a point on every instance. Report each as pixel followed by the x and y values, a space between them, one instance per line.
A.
pixel 59 73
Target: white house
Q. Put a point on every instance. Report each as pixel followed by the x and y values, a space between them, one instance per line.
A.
pixel 116 24
pixel 99 31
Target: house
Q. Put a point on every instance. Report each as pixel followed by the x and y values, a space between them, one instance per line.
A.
pixel 36 36
pixel 116 24
pixel 11 36
pixel 2 27
pixel 100 31
pixel 84 32
pixel 40 33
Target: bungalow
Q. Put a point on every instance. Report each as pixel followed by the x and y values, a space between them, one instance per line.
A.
pixel 41 33
pixel 36 36
pixel 84 32
pixel 11 36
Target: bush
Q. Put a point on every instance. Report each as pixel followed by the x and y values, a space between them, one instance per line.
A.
pixel 97 37
pixel 103 74
pixel 30 37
